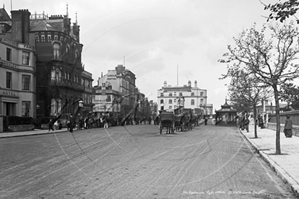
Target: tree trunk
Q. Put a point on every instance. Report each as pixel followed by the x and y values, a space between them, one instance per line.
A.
pixel 277 109
pixel 254 117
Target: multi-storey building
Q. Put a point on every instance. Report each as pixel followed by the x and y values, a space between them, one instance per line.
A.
pixel 61 78
pixel 187 96
pixel 115 84
pixel 17 65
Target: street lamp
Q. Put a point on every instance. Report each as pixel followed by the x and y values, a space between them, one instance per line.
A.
pixel 80 103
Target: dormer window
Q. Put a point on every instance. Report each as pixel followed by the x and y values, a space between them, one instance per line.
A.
pixel 56 50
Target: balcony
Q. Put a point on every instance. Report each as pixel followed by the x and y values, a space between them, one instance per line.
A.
pixel 66 83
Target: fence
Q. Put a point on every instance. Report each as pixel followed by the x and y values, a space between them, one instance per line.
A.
pixel 294 116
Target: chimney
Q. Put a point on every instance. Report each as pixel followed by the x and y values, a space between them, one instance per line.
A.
pixel 165 84
pixel 20 25
pixel 196 83
pixel 101 74
pixel 76 31
pixel 189 83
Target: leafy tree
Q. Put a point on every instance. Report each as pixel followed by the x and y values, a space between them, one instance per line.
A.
pixel 283 10
pixel 272 61
pixel 290 94
pixel 246 91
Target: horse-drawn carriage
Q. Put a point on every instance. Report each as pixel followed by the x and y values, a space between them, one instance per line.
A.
pixel 167 120
pixel 183 121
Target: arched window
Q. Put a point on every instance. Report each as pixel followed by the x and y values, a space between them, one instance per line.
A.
pixel 161 101
pixel 170 101
pixel 56 51
pixel 192 102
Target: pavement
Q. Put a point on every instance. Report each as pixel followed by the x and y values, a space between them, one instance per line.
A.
pixel 286 165
pixel 30 133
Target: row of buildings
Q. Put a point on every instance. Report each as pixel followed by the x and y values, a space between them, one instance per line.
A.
pixel 42 74
pixel 41 69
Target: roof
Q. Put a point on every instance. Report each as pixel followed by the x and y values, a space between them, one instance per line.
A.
pixel 3 15
pixel 38 25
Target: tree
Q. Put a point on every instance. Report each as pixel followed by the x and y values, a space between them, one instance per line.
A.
pixel 244 89
pixel 290 93
pixel 270 60
pixel 283 10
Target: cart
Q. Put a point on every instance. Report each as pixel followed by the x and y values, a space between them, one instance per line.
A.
pixel 167 120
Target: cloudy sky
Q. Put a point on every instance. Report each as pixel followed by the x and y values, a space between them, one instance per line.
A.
pixel 156 36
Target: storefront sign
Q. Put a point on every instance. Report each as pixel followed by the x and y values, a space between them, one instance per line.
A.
pixel 9 93
pixel 26 46
pixel 8 64
pixel 7 41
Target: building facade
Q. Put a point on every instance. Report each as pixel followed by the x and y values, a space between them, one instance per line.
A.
pixel 187 96
pixel 116 86
pixel 61 79
pixel 17 65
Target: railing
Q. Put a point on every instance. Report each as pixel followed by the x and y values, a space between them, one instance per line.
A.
pixel 64 82
pixel 293 114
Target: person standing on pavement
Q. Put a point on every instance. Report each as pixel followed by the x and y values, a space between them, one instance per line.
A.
pixel 51 125
pixel 288 126
pixel 246 123
pixel 205 120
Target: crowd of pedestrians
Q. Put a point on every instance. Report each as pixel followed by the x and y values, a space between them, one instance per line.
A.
pixel 104 121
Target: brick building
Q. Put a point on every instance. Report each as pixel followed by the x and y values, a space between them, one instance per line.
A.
pixel 61 78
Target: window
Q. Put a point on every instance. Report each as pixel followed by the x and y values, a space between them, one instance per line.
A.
pixel 161 94
pixel 8 54
pixel 25 58
pixel 49 37
pixel 43 38
pixel 8 80
pixel 170 94
pixel 192 102
pixel 170 101
pixel 55 37
pixel 56 51
pixel 180 94
pixel 201 94
pixel 170 107
pixel 174 100
pixel 174 93
pixel 25 108
pixel 192 94
pixel 201 101
pixel 161 101
pixel 37 38
pixel 26 82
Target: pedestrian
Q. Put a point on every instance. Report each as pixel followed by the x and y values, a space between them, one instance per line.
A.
pixel 51 125
pixel 246 123
pixel 105 122
pixel 205 120
pixel 288 126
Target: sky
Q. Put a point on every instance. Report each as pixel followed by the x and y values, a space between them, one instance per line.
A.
pixel 155 37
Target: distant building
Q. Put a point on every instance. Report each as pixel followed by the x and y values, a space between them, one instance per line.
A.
pixel 188 96
pixel 118 83
pixel 17 65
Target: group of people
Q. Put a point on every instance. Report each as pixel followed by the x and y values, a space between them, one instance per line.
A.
pixel 243 122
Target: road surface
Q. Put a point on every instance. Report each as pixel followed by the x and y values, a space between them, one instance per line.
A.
pixel 136 162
